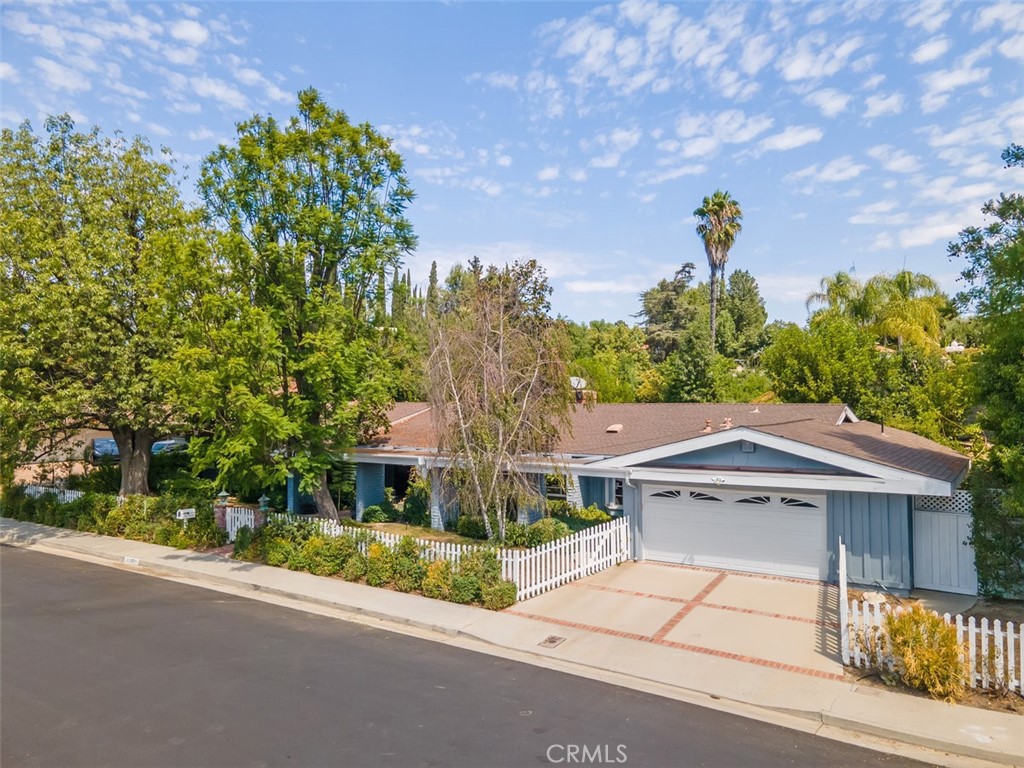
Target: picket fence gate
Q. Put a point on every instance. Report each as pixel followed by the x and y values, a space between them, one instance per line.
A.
pixel 534 571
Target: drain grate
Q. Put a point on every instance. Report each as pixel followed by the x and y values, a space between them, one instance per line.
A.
pixel 551 641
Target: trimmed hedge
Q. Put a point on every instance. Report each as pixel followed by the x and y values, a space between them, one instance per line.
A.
pixel 299 545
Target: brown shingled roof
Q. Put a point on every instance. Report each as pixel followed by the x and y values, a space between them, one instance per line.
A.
pixel 649 425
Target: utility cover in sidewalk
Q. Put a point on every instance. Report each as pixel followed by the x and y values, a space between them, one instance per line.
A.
pixel 552 641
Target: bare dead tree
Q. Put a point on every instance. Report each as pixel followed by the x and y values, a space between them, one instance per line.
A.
pixel 499 388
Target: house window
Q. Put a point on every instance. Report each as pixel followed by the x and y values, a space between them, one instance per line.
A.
pixel 613 493
pixel 555 486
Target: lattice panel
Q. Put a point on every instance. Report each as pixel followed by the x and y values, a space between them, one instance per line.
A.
pixel 958 503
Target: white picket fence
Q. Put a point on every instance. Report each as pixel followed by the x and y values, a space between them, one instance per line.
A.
pixel 992 653
pixel 534 571
pixel 844 604
pixel 63 495
pixel 237 517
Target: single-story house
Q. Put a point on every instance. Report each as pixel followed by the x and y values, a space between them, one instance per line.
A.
pixel 760 488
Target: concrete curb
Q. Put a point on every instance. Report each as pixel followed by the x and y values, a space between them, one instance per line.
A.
pixel 79 544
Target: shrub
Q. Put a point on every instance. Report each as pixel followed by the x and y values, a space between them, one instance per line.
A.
pixel 130 520
pixel 202 531
pixel 322 556
pixel 278 550
pixel 380 565
pixel 546 530
pixel 558 507
pixel 927 654
pixel 13 502
pixel 416 510
pixel 437 583
pixel 499 596
pixel 243 540
pixel 465 588
pixel 471 526
pixel 593 514
pixel 409 566
pixel 374 514
pixel 482 565
pixel 515 535
pixel 309 556
pixel 355 567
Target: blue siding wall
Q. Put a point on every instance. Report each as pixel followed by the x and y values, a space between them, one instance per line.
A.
pixel 730 455
pixel 876 531
pixel 593 491
pixel 369 487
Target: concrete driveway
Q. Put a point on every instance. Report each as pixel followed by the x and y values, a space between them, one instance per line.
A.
pixel 768 621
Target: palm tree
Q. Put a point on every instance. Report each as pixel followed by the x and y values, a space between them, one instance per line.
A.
pixel 718 224
pixel 910 308
pixel 842 293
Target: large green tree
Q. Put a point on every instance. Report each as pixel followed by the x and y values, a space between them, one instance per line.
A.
pixel 312 220
pixel 718 224
pixel 993 268
pixel 98 259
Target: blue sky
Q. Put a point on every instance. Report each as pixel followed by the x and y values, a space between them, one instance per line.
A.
pixel 856 134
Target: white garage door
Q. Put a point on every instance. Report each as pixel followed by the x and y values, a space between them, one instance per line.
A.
pixel 781 533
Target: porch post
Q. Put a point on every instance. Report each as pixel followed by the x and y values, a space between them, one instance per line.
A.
pixel 369 487
pixel 436 502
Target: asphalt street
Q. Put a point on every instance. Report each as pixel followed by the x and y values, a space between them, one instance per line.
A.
pixel 103 667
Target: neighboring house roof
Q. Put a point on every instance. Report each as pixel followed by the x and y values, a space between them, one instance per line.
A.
pixel 646 426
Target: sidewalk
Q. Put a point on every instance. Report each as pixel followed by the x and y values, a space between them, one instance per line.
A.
pixel 965 731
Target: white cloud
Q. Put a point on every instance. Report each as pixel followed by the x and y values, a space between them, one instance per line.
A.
pixel 703 133
pixel 159 130
pixel 8 73
pixel 190 32
pixel 939 84
pixel 895 160
pixel 499 80
pixel 830 101
pixel 503 160
pixel 757 52
pixel 615 144
pixel 548 173
pixel 883 212
pixel 671 174
pixel 881 106
pixel 616 285
pixel 842 168
pixel 930 51
pixel 947 190
pixel 812 58
pixel 791 138
pixel 61 78
pixel 936 228
pixel 200 134
pixel 207 87
pixel 578 175
pixel 930 15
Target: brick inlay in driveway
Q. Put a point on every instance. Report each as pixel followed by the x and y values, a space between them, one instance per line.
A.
pixel 737 598
pixel 669 625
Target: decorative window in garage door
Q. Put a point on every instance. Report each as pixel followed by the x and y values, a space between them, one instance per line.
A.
pixel 667 495
pixel 792 501
pixel 701 496
pixel 755 500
